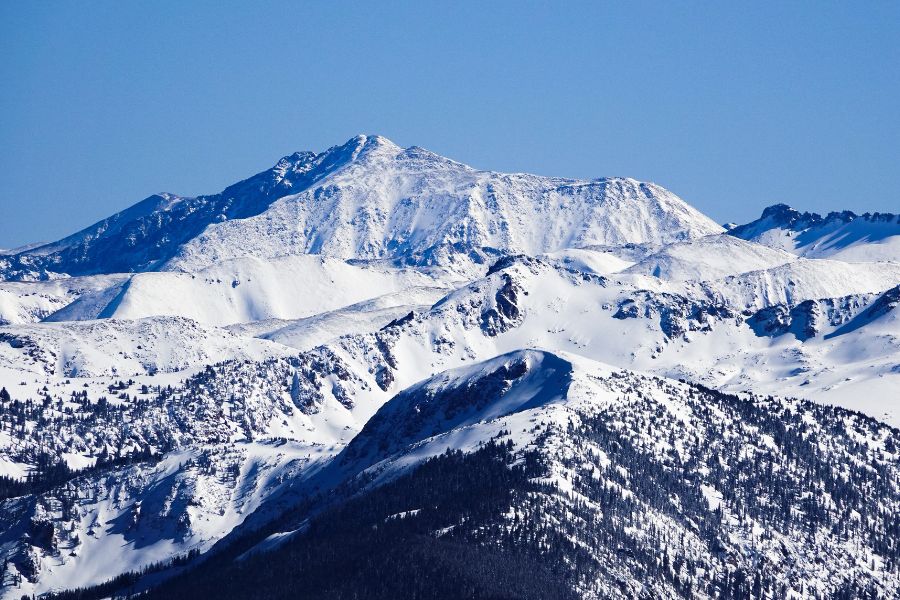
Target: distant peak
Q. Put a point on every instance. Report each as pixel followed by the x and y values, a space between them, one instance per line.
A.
pixel 361 147
pixel 370 142
pixel 776 216
pixel 816 236
pixel 355 147
pixel 780 212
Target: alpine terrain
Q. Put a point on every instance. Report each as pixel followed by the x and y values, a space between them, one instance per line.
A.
pixel 376 372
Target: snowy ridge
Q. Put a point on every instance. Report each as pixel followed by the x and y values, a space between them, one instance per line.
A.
pixel 839 235
pixel 595 449
pixel 530 398
pixel 369 199
pixel 459 398
pixel 673 332
pixel 382 206
pixel 141 237
pixel 34 301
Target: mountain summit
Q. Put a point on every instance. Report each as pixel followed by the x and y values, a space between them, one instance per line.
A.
pixel 368 199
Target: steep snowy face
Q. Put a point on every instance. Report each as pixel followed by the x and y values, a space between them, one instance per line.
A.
pixel 119 519
pixel 368 199
pixel 459 398
pixel 839 235
pixel 417 207
pixel 142 236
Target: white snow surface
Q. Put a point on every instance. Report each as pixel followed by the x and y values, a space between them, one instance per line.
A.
pixel 710 257
pixel 387 201
pixel 249 289
pixel 22 302
pixel 122 348
pixel 560 311
pixel 133 517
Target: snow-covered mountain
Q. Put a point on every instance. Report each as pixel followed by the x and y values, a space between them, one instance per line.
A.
pixel 600 482
pixel 196 388
pixel 839 235
pixel 369 199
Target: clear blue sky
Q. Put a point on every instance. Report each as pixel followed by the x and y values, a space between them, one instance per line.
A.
pixel 733 107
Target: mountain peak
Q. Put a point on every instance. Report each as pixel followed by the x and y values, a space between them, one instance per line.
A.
pixel 371 199
pixel 359 146
pixel 843 235
pixel 362 145
pixel 780 212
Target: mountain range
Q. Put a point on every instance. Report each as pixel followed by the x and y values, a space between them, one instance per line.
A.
pixel 375 370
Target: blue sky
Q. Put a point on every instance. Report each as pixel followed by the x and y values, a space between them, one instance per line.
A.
pixel 733 107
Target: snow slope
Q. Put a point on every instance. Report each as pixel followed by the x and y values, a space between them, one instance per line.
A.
pixel 591 435
pixel 710 257
pixel 804 279
pixel 592 438
pixel 589 260
pixel 119 348
pixel 33 301
pixel 127 519
pixel 700 331
pixel 248 289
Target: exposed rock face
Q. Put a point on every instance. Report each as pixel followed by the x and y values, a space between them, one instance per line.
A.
pixel 676 314
pixel 843 235
pixel 505 313
pixel 808 318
